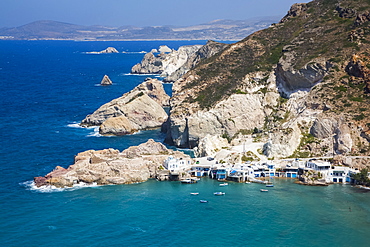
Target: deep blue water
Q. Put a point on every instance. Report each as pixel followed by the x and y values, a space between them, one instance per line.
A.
pixel 49 86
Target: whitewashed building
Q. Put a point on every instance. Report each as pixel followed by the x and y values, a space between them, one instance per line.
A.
pixel 176 165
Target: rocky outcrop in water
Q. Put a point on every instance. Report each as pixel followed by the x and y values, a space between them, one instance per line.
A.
pixel 110 166
pixel 106 81
pixel 139 109
pixel 166 62
pixel 151 64
pixel 105 51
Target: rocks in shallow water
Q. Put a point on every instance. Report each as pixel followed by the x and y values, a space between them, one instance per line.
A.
pixel 106 81
pixel 110 166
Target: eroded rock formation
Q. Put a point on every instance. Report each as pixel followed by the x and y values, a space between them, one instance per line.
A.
pixel 139 109
pixel 106 81
pixel 110 166
pixel 173 64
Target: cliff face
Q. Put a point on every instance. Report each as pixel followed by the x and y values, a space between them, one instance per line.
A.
pixel 298 83
pixel 110 166
pixel 139 109
pixel 173 64
pixel 206 51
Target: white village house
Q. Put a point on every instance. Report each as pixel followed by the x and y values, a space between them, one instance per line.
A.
pixel 177 165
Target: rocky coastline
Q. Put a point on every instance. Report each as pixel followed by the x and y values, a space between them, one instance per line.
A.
pixel 110 166
pixel 172 64
pixel 254 100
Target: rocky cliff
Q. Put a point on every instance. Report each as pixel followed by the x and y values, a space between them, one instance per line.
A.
pixel 139 109
pixel 301 86
pixel 174 64
pixel 206 51
pixel 110 166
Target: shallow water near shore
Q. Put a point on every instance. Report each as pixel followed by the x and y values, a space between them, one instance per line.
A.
pixel 48 87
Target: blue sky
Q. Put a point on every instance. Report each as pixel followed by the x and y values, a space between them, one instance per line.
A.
pixel 137 12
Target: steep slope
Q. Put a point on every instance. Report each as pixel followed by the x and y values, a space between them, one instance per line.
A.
pixel 302 85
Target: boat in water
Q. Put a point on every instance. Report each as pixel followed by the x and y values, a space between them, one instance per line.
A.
pixel 194 193
pixel 269 185
pixel 203 201
pixel 224 184
pixel 262 190
pixel 189 181
pixel 219 193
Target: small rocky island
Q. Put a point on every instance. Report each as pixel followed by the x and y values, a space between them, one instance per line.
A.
pixel 105 51
pixel 106 81
pixel 110 166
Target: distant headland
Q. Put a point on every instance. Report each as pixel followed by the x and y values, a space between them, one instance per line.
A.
pixel 216 30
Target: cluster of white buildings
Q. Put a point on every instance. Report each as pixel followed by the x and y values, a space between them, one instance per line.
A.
pixel 255 171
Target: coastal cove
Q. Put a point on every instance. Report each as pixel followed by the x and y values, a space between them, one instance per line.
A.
pixel 48 87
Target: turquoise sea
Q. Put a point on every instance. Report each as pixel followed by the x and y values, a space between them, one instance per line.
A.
pixel 47 87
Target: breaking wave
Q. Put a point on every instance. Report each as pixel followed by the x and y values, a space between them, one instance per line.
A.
pixel 30 185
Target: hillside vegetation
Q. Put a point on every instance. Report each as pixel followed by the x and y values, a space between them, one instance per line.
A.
pixel 319 29
pixel 303 83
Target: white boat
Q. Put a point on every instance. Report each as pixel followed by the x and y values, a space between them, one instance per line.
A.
pixel 262 190
pixel 224 184
pixel 203 201
pixel 247 182
pixel 219 193
pixel 194 193
pixel 269 185
pixel 188 181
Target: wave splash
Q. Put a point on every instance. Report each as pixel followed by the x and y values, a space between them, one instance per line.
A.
pixel 30 185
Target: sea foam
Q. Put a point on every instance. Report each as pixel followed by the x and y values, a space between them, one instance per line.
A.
pixel 30 185
pixel 75 125
pixel 95 132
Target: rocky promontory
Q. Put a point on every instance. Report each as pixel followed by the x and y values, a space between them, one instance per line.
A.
pixel 166 62
pixel 110 166
pixel 139 109
pixel 172 64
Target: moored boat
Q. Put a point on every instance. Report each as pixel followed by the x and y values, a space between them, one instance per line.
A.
pixel 269 185
pixel 189 181
pixel 224 184
pixel 262 190
pixel 219 193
